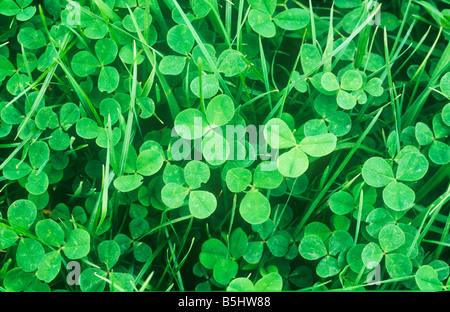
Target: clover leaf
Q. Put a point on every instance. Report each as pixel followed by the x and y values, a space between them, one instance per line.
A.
pixel 109 253
pixel 202 204
pixel 20 9
pixel 84 63
pixel 29 254
pixel 50 232
pixel 292 19
pixel 254 207
pixel 261 23
pixel 238 179
pixel 77 244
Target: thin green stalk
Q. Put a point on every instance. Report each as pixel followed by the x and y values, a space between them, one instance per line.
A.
pixel 312 207
pixel 129 124
pixel 358 220
pixel 265 74
pixel 330 39
pixel 313 25
pixel 431 211
pixel 157 14
pixel 215 17
pixel 419 72
pixel 200 43
pixel 200 83
pixel 441 174
pixel 106 179
pixel 402 25
pixel 171 100
pixel 175 263
pixel 413 110
pixel 444 238
pixel 340 48
pixel 228 18
pixel 392 92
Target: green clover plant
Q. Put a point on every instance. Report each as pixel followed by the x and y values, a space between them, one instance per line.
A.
pixel 247 145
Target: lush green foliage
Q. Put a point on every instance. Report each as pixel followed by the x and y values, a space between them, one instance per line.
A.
pixel 115 155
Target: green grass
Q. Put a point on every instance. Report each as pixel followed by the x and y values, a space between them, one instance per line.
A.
pixel 94 116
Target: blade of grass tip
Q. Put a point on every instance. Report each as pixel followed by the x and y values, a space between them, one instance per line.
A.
pixel 413 110
pixel 251 66
pixel 441 174
pixel 443 240
pixel 161 245
pixel 183 261
pixel 287 89
pixel 34 133
pixel 233 212
pixel 363 40
pixel 148 263
pixel 107 11
pixel 313 25
pixel 228 18
pixel 279 216
pixel 106 179
pixel 358 220
pixel 94 217
pixel 433 210
pixel 33 85
pixel 45 84
pixel 338 171
pixel 421 69
pixel 112 285
pixel 108 15
pixel 146 282
pixel 84 99
pixel 25 62
pixel 254 99
pixel 205 52
pixel 416 48
pixel 159 18
pixel 330 39
pixel 273 72
pixel 432 10
pixel 242 88
pixel 167 267
pixel 186 86
pixel 174 269
pixel 182 244
pixel 171 100
pixel 129 124
pixel 215 19
pixel 146 90
pixel 402 25
pixel 383 76
pixel 240 24
pixel 37 101
pixel 340 48
pixel 391 90
pixel 149 83
pixel 264 69
pixel 163 225
pixel 238 36
pixel 371 47
pixel 200 83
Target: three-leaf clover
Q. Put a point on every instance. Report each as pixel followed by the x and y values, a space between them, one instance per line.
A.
pixel 84 64
pixel 201 203
pixel 319 242
pixel 295 162
pixel 411 166
pixel 434 140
